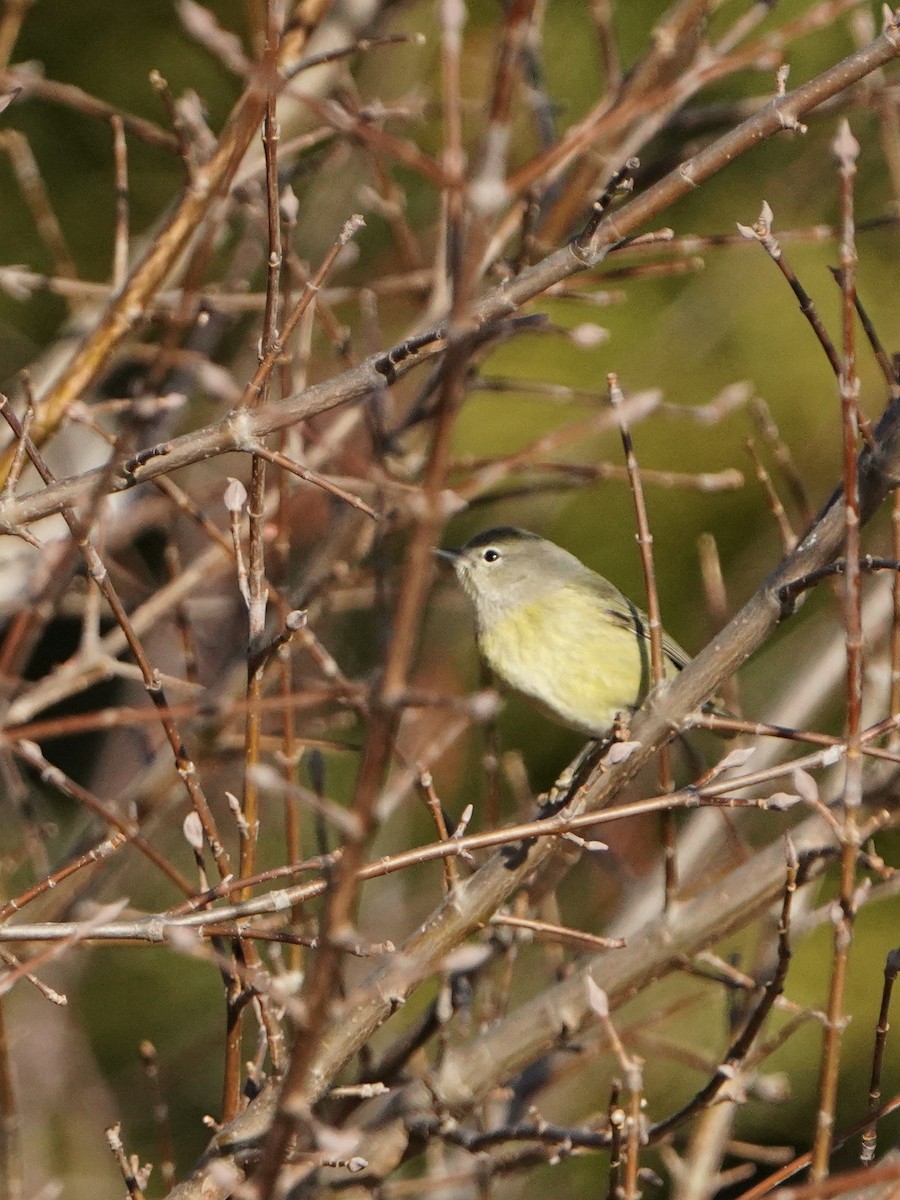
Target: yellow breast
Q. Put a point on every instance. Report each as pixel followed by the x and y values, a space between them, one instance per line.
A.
pixel 566 651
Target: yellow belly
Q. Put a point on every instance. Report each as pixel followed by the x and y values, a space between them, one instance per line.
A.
pixel 564 651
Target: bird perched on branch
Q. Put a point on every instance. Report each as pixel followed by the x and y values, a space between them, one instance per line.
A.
pixel 555 630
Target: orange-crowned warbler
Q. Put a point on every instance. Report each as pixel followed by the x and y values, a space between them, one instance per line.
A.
pixel 555 630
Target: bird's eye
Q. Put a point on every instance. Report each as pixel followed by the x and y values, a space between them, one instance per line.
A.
pixel 491 555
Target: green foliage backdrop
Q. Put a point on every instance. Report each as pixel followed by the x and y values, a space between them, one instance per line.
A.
pixel 691 321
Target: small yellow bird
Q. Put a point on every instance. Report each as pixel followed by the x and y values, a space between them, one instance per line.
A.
pixel 557 631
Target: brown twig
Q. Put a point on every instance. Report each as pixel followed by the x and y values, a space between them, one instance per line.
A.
pixel 229 435
pixel 11 1159
pixel 151 678
pixel 870 1133
pixel 131 1173
pixel 742 1044
pixel 121 237
pixel 211 180
pixel 160 1111
pixel 655 630
pixel 846 150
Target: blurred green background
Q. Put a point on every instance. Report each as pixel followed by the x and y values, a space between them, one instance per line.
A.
pixel 690 335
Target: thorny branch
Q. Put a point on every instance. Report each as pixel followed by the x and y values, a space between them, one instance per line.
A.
pixel 369 463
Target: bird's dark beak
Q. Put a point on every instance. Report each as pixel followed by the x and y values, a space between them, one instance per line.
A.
pixel 450 556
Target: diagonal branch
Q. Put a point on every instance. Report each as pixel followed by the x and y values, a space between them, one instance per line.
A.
pixel 474 901
pixel 126 308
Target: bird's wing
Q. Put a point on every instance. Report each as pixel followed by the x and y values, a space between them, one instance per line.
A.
pixel 629 616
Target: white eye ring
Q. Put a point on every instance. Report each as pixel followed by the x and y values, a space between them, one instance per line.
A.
pixel 491 555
